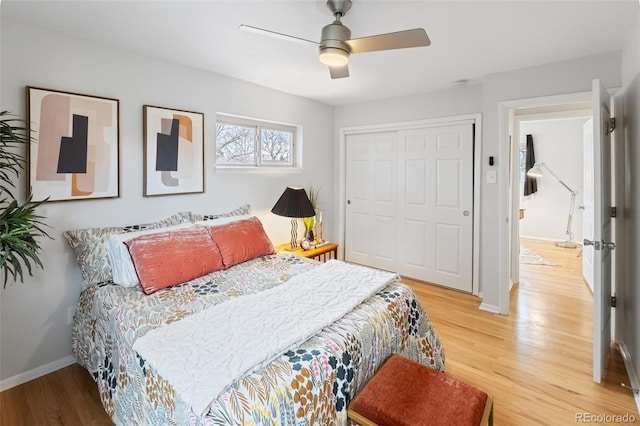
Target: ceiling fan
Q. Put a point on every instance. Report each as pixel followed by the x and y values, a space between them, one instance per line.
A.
pixel 336 44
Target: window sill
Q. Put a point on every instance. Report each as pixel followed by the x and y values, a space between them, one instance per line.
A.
pixel 226 170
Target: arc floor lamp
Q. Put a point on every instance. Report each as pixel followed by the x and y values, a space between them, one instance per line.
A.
pixel 536 171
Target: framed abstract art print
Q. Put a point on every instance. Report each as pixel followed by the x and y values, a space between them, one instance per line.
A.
pixel 173 151
pixel 74 151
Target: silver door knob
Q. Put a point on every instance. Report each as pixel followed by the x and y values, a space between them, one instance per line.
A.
pixel 595 244
pixel 465 213
pixel 610 246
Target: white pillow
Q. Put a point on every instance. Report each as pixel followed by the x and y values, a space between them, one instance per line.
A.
pixel 124 273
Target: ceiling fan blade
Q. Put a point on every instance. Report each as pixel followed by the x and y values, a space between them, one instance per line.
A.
pixel 399 40
pixel 339 72
pixel 275 34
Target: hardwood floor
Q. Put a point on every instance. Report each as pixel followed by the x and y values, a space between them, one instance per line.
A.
pixel 65 397
pixel 536 362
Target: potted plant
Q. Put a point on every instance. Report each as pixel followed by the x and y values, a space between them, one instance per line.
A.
pixel 20 225
pixel 310 222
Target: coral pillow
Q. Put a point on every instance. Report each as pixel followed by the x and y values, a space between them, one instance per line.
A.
pixel 169 258
pixel 241 240
pixel 124 273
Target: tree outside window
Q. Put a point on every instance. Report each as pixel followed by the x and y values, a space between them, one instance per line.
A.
pixel 276 147
pixel 249 143
pixel 235 144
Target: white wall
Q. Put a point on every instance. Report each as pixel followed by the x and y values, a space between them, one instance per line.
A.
pixel 559 144
pixel 628 291
pixel 559 78
pixel 631 54
pixel 459 100
pixel 572 76
pixel 34 330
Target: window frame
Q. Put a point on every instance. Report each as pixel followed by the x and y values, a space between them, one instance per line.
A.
pixel 522 162
pixel 257 126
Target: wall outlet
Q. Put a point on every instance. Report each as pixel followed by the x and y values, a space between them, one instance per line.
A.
pixel 70 314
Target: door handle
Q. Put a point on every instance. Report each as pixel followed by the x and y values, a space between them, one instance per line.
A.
pixel 465 213
pixel 595 244
pixel 599 244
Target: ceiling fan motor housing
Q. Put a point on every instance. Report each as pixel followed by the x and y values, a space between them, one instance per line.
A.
pixel 334 36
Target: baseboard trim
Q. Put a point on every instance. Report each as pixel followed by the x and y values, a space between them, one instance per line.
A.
pixel 43 370
pixel 489 308
pixel 631 372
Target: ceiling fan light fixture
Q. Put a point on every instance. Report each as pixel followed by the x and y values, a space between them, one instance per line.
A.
pixel 334 57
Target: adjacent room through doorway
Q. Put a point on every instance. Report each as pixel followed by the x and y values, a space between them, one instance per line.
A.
pixel 554 186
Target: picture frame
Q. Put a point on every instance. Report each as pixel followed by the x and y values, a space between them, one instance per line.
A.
pixel 74 153
pixel 173 151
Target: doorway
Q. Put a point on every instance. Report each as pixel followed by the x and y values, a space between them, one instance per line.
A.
pixel 558 201
pixel 508 172
pixel 603 126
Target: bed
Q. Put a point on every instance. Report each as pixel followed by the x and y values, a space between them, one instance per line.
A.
pixel 310 381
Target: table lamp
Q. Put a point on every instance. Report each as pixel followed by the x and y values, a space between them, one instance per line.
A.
pixel 294 203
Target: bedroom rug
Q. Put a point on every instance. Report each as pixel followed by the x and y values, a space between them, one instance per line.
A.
pixel 532 258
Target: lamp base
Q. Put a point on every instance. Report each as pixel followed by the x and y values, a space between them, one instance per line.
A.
pixel 294 235
pixel 566 244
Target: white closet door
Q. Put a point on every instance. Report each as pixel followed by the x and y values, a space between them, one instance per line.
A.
pixel 371 179
pixel 435 210
pixel 410 203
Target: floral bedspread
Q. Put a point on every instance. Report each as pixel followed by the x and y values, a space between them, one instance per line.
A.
pixel 308 385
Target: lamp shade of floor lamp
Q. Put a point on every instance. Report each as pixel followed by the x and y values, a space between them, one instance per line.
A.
pixel 294 203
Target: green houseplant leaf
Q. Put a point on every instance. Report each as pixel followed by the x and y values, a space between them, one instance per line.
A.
pixel 13 133
pixel 20 225
pixel 309 222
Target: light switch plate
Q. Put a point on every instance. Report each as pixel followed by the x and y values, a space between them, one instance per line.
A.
pixel 492 176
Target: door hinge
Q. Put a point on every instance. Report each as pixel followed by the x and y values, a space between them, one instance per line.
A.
pixel 614 212
pixel 611 125
pixel 613 301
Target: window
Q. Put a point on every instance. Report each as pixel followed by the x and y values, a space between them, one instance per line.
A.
pixel 523 163
pixel 251 143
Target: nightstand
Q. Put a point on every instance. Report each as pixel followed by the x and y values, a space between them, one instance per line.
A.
pixel 323 253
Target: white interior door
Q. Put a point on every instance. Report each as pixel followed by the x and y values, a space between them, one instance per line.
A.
pixel 410 203
pixel 371 191
pixel 587 200
pixel 602 235
pixel 435 211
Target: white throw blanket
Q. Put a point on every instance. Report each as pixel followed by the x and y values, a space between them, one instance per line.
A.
pixel 203 354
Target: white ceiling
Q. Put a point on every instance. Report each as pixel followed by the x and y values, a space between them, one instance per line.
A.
pixel 469 38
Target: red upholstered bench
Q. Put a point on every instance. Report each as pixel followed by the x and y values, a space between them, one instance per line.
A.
pixel 405 393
